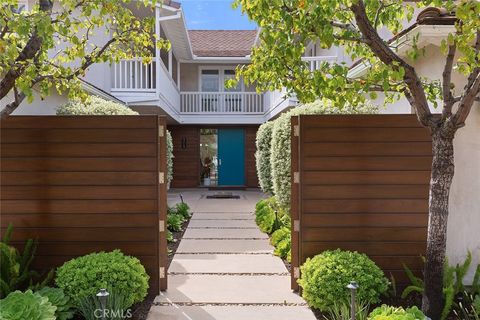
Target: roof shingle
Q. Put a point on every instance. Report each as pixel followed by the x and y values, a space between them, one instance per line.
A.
pixel 222 43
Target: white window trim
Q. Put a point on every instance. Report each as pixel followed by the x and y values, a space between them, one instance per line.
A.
pixel 221 77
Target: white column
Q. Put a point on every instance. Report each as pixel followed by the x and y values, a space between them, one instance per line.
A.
pixel 170 61
pixel 157 50
pixel 178 74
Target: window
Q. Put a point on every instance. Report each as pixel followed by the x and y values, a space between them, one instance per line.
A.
pixel 210 80
pixel 213 80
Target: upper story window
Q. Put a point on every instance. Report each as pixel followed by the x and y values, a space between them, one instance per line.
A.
pixel 213 80
pixel 210 80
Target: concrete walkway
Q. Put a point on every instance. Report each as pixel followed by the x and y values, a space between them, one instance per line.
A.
pixel 224 267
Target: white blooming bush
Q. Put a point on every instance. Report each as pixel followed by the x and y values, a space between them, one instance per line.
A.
pixel 94 106
pixel 262 156
pixel 281 148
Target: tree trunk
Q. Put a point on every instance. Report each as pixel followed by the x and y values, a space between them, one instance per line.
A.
pixel 441 180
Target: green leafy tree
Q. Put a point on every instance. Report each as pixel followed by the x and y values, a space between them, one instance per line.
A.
pixel 52 45
pixel 287 26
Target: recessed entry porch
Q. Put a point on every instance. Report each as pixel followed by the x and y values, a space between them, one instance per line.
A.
pixel 214 156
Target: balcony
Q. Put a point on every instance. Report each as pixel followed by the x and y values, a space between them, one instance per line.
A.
pixel 134 75
pixel 250 103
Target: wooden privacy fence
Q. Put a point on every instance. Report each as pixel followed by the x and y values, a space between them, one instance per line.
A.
pixel 360 182
pixel 82 184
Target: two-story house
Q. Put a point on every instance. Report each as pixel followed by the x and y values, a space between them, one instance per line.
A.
pixel 213 127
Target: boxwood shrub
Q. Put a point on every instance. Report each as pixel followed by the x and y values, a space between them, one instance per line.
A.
pixel 281 240
pixel 324 278
pixel 262 156
pixel 281 148
pixel 85 276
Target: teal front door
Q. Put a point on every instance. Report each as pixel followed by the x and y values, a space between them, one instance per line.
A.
pixel 231 157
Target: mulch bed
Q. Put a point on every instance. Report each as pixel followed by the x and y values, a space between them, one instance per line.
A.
pixel 141 309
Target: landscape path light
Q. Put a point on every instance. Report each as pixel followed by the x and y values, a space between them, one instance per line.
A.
pixel 353 286
pixel 103 296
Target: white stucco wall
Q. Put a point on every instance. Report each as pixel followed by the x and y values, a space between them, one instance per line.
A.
pixel 464 220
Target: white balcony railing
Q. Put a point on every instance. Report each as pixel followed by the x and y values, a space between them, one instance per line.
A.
pixel 134 75
pixel 314 62
pixel 221 102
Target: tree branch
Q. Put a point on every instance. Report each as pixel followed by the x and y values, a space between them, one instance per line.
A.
pixel 29 51
pixel 472 89
pixel 448 99
pixel 418 98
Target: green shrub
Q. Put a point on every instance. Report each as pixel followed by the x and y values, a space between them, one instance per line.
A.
pixel 15 272
pixel 281 148
pixel 279 235
pixel 94 106
pixel 324 278
pixel 175 222
pixel 115 308
pixel 281 240
pixel 385 312
pixel 26 306
pixel 85 276
pixel 262 156
pixel 170 236
pixel 57 297
pixel 262 203
pixel 183 209
pixel 266 219
pixel 169 157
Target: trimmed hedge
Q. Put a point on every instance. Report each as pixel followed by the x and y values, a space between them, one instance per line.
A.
pixel 324 278
pixel 281 148
pixel 262 156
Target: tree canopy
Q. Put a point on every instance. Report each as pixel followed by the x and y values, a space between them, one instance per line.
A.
pixel 52 44
pixel 287 26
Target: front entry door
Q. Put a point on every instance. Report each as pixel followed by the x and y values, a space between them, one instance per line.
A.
pixel 231 157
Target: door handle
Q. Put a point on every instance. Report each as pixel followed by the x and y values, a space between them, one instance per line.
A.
pixel 219 162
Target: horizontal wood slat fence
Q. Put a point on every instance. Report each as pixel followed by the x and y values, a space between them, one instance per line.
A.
pixel 86 184
pixel 360 182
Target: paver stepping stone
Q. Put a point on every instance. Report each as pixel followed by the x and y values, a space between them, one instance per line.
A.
pixel 229 289
pixel 224 234
pixel 222 215
pixel 226 263
pixel 224 246
pixel 222 224
pixel 222 205
pixel 230 313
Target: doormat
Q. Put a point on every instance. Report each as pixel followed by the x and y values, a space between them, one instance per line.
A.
pixel 223 195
